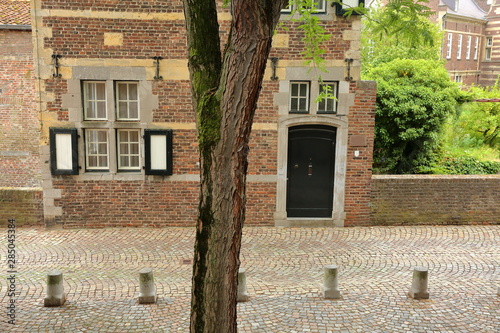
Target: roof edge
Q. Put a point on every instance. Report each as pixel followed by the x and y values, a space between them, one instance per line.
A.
pixel 15 27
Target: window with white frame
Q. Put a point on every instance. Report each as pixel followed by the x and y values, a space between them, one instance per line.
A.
pixel 319 6
pixel 469 44
pixel 489 44
pixel 328 104
pixel 94 104
pixel 127 101
pixel 96 149
pixel 458 78
pixel 99 142
pixel 128 142
pixel 476 47
pixel 449 45
pixel 459 47
pixel 299 97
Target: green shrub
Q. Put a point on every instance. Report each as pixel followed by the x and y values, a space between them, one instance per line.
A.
pixel 462 165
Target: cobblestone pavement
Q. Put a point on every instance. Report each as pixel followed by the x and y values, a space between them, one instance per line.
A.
pixel 284 276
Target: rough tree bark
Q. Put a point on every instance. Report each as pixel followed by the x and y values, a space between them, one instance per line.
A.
pixel 225 90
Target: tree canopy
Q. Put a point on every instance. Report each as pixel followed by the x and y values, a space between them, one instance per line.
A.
pixel 414 98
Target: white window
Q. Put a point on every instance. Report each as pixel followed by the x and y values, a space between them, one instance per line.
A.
pixel 97 149
pixel 94 100
pixel 458 78
pixel 128 149
pixel 469 42
pixel 127 101
pixel 476 47
pixel 489 44
pixel 328 104
pixel 319 6
pixel 459 47
pixel 449 45
pixel 299 97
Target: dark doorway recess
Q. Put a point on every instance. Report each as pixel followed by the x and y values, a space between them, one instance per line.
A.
pixel 311 169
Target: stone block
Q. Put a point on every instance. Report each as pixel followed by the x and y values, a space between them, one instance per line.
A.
pixel 330 285
pixel 419 284
pixel 147 290
pixel 242 286
pixel 55 289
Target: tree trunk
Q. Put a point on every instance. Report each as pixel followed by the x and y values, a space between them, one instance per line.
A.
pixel 225 93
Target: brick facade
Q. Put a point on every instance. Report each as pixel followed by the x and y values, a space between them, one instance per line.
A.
pixel 115 42
pixel 19 125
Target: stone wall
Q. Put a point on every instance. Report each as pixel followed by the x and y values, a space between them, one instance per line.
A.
pixel 435 199
pixel 22 204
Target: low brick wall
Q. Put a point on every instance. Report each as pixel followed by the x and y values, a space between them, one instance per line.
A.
pixel 22 204
pixel 435 199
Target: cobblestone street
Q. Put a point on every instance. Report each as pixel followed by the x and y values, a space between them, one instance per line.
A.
pixel 284 276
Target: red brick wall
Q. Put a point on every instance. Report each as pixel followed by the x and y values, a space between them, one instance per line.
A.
pixel 23 205
pixel 417 200
pixel 19 126
pixel 359 169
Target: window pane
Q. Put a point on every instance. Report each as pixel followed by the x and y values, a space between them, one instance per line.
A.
pixel 133 91
pixel 295 89
pixel 134 114
pixel 134 161
pixel 103 161
pixel 302 105
pixel 124 161
pixel 303 90
pixel 124 148
pixel 122 91
pixel 92 161
pixel 100 90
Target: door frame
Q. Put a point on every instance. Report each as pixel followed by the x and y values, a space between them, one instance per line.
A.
pixel 338 214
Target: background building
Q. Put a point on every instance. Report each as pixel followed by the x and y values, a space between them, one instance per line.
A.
pixel 19 126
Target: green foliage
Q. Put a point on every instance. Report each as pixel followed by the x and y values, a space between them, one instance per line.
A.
pixel 461 165
pixel 414 98
pixel 399 30
pixel 480 121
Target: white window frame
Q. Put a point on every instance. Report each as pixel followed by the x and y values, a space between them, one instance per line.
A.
pixel 469 44
pixel 321 7
pixel 128 101
pixel 97 154
pixel 128 155
pixel 86 99
pixel 449 45
pixel 299 97
pixel 459 47
pixel 488 48
pixel 458 78
pixel 476 48
pixel 334 92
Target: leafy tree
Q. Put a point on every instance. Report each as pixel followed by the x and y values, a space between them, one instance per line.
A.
pixel 480 121
pixel 414 97
pixel 225 88
pixel 399 30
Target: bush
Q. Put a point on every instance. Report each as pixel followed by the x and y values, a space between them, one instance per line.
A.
pixel 462 165
pixel 414 98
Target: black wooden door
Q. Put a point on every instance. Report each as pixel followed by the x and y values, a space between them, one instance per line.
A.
pixel 311 168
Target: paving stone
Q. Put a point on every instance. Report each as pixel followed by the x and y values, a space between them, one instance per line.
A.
pixel 284 279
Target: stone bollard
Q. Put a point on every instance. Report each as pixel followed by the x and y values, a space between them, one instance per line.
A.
pixel 55 289
pixel 330 286
pixel 242 286
pixel 419 284
pixel 498 291
pixel 147 290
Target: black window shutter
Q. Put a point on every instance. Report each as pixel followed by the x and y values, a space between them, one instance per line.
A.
pixel 158 152
pixel 63 165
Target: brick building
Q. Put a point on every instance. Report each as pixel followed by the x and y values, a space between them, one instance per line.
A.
pixel 118 136
pixel 19 126
pixel 470 30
